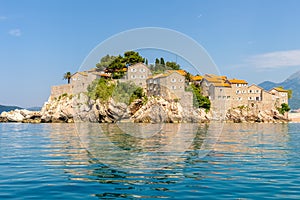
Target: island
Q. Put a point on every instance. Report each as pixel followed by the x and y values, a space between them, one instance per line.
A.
pixel 127 89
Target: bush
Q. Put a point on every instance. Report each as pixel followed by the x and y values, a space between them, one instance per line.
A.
pixel 284 108
pixel 127 93
pixel 100 89
pixel 199 101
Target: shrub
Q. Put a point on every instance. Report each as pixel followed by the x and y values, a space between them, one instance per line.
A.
pixel 284 108
pixel 199 101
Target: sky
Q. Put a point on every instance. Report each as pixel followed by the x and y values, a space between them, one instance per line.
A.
pixel 256 40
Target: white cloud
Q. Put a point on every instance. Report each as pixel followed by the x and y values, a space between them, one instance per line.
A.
pixel 277 59
pixel 15 32
pixel 2 18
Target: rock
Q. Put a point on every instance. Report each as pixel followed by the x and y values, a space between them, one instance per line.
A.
pixel 245 114
pixel 15 116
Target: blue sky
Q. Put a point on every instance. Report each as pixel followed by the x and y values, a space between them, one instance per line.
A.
pixel 41 40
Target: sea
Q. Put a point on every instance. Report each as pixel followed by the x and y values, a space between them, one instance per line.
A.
pixel 150 161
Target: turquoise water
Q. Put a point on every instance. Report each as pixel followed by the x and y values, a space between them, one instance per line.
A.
pixel 244 161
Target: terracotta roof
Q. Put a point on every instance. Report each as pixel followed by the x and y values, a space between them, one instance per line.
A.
pixel 105 75
pixel 221 84
pixel 213 80
pixel 237 81
pixel 280 89
pixel 196 78
pixel 180 71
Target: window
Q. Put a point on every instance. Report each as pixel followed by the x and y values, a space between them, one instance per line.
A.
pixel 180 80
pixel 257 98
pixel 173 87
pixel 221 90
pixel 173 80
pixel 142 70
pixel 133 70
pixel 250 91
pixel 141 83
pixel 228 97
pixel 219 97
pixel 240 98
pixel 142 76
pixel 133 76
pixel 180 87
pixel 238 92
pixel 257 91
pixel 155 82
pixel 150 81
pixel 249 98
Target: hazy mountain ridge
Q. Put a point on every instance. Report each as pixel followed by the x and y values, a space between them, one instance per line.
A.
pixel 293 83
pixel 8 108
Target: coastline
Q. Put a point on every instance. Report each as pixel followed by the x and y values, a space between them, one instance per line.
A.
pixel 294 117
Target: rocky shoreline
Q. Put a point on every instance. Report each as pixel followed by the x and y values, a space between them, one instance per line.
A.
pixel 79 108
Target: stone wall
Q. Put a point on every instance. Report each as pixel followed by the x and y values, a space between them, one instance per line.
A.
pixel 58 90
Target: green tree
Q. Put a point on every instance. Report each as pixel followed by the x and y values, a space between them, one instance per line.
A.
pixel 132 57
pixel 290 93
pixel 200 101
pixel 173 65
pixel 67 76
pixel 105 62
pixel 100 89
pixel 127 93
pixel 284 108
pixel 146 61
pixel 162 61
pixel 157 61
pixel 188 77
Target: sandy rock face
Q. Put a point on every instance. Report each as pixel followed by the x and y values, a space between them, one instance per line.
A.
pixel 23 115
pixel 251 115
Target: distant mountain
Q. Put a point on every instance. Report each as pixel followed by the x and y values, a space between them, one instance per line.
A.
pixel 293 83
pixel 8 108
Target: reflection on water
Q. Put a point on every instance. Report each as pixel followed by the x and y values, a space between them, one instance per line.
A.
pixel 184 161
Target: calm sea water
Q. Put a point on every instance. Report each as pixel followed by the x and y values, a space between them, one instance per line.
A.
pixel 86 161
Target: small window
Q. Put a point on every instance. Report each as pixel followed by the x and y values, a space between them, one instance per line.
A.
pixel 257 99
pixel 142 76
pixel 142 70
pixel 257 91
pixel 133 76
pixel 173 87
pixel 221 90
pixel 238 92
pixel 180 80
pixel 133 70
pixel 173 80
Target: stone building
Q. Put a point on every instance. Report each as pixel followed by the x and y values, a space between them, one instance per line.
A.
pixel 280 94
pixel 138 73
pixel 231 93
pixel 170 86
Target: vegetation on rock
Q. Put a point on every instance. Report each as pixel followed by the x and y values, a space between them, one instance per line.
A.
pixel 199 101
pixel 284 108
pixel 103 90
pixel 116 64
